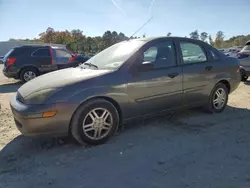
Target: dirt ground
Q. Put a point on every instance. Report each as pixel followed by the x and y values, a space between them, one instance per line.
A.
pixel 191 149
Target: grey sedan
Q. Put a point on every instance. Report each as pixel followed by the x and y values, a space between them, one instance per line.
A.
pixel 128 80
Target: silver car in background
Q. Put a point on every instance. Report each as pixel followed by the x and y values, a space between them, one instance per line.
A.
pixel 244 59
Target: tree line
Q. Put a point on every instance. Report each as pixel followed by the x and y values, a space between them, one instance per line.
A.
pixel 76 41
pixel 219 39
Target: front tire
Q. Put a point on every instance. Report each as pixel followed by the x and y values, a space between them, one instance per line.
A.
pixel 95 122
pixel 218 99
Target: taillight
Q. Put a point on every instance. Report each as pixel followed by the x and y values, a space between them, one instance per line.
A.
pixel 72 59
pixel 10 61
pixel 51 55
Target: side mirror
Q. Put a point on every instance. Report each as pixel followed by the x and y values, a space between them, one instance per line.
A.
pixel 146 65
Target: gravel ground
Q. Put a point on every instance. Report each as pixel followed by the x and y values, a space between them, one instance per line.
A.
pixel 190 149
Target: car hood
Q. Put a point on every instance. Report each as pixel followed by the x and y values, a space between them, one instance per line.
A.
pixel 59 79
pixel 245 62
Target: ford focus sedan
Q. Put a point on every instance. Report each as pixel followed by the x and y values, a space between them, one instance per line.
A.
pixel 128 80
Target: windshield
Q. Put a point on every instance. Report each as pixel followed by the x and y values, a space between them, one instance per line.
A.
pixel 114 56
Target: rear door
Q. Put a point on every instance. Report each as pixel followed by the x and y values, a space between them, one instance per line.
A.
pixel 198 71
pixel 42 59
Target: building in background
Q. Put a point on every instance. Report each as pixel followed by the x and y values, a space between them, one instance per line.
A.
pixel 6 46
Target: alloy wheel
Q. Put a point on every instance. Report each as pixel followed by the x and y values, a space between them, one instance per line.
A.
pixel 219 98
pixel 97 123
pixel 29 75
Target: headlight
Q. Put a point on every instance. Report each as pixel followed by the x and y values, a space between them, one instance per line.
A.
pixel 40 96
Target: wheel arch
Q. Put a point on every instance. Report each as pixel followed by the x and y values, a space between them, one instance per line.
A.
pixel 27 67
pixel 226 83
pixel 109 99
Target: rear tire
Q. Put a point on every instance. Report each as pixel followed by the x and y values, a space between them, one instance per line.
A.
pixel 218 98
pixel 95 122
pixel 28 74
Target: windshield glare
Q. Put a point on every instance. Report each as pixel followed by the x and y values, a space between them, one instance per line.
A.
pixel 114 56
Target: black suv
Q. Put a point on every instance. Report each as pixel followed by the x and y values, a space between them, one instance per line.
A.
pixel 28 62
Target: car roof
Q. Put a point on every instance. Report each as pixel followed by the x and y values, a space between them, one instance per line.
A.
pixel 39 46
pixel 164 37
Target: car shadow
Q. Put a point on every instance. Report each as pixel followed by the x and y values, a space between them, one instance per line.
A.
pixel 10 87
pixel 60 157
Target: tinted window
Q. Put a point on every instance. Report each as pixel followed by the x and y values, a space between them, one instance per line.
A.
pixel 161 54
pixel 192 53
pixel 41 53
pixel 63 53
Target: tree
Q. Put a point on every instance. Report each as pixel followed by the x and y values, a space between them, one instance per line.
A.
pixel 122 37
pixel 194 35
pixel 115 37
pixel 169 34
pixel 76 34
pixel 203 36
pixel 107 39
pixel 211 42
pixel 77 42
pixel 48 35
pixel 219 39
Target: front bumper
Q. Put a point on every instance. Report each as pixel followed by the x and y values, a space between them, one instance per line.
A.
pixel 29 120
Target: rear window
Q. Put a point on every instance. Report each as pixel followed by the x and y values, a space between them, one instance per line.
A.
pixel 42 52
pixel 8 54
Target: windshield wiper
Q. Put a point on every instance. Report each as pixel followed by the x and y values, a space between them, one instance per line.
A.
pixel 91 65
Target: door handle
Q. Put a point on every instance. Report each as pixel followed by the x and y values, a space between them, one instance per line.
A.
pixel 208 68
pixel 172 75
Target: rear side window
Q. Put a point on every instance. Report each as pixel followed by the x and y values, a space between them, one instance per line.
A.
pixel 192 53
pixel 62 53
pixel 42 52
pixel 214 55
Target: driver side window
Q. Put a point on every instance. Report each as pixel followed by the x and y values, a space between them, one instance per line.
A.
pixel 161 55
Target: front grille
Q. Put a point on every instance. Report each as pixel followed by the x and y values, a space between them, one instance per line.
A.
pixel 19 97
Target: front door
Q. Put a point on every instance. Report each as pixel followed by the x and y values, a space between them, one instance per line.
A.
pixel 157 83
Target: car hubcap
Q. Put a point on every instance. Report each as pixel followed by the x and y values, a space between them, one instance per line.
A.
pixel 219 98
pixel 97 123
pixel 29 75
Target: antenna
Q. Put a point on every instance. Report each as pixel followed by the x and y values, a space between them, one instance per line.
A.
pixel 142 26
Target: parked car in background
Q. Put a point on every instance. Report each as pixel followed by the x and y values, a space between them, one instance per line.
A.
pixel 130 79
pixel 244 58
pixel 28 62
pixel 232 52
